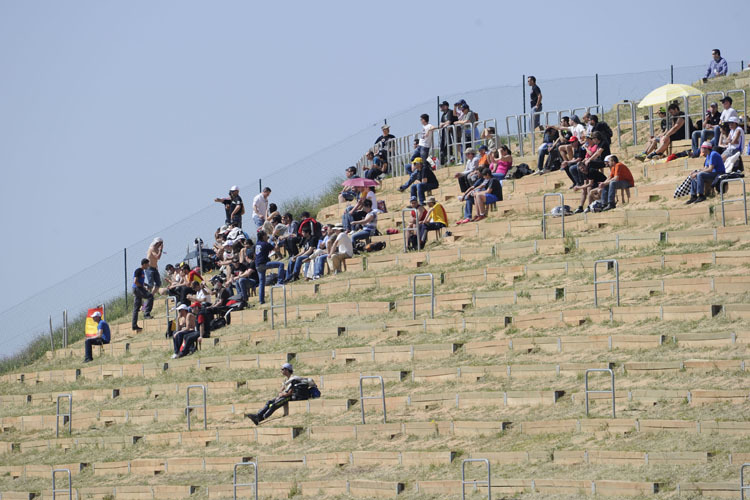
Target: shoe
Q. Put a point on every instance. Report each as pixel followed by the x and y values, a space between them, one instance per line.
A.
pixel 586 210
pixel 463 221
pixel 402 189
pixel 640 157
pixel 253 417
pixel 88 360
pixel 573 186
pixel 692 199
pixel 174 356
pixel 700 199
pixel 478 218
pixel 137 329
pixel 652 156
pixel 579 210
pixel 609 206
pixel 148 316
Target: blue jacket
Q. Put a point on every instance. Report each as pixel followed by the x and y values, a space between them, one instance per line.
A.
pixel 716 68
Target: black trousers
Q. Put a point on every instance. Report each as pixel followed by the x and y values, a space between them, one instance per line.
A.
pixel 271 406
pixel 92 342
pixel 138 295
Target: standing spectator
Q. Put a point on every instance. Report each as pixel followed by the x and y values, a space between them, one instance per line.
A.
pixel 620 177
pixel 234 209
pixel 424 146
pixel 140 292
pixel 102 336
pixel 467 119
pixel 711 119
pixel 536 104
pixel 426 181
pixel 154 253
pixel 383 145
pixel 717 66
pixel 713 167
pixel 435 218
pixel 340 250
pixel 447 118
pixel 263 261
pixel 260 207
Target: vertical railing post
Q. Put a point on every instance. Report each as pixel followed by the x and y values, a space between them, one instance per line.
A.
pixel 254 484
pixel 612 390
pixel 125 267
pixel 723 201
pixel 464 482
pixel 742 481
pixel 414 294
pixel 407 230
pixel 189 407
pixel 362 396
pixel 598 282
pixel 55 490
pixel 68 414
pixel 545 214
pixel 274 306
pixel 51 335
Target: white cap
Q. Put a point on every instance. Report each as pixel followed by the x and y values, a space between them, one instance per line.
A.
pixel 608 157
pixel 229 243
pixel 96 314
pixel 234 188
pixel 733 119
pixel 287 366
pixel 157 240
pixel 183 307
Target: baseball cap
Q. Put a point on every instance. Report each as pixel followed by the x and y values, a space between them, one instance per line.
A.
pixel 483 147
pixel 413 198
pixel 573 139
pixel 662 110
pixel 471 151
pixel 183 307
pixel 96 314
pixel 287 366
pixel 608 157
pixel 444 103
pixel 234 188
pixel 418 159
pixel 385 127
pixel 707 144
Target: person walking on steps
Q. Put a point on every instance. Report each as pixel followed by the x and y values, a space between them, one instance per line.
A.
pixel 140 292
pixel 293 388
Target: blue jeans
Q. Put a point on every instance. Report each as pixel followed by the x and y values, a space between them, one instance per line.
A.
pixel 361 235
pixel 534 117
pixel 499 176
pixel 420 188
pixel 420 152
pixel 262 278
pixel 152 277
pixel 320 263
pixel 258 221
pixel 543 150
pixel 468 207
pixel 696 184
pixel 245 285
pixel 575 174
pixel 715 140
pixel 346 219
pixel 295 266
pixel 697 139
pixel 610 190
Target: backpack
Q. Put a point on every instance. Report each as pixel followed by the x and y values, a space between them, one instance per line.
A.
pixel 606 130
pixel 596 206
pixel 304 388
pixel 561 210
pixel 717 181
pixel 171 328
pixel 521 170
pixel 375 246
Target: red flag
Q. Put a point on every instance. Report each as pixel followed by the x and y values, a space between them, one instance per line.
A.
pixel 92 326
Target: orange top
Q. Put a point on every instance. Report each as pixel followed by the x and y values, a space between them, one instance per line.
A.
pixel 622 173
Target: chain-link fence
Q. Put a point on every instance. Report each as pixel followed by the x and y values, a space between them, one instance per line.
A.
pixel 111 277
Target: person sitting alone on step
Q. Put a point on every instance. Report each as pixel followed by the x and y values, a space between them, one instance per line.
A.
pixel 102 336
pixel 293 388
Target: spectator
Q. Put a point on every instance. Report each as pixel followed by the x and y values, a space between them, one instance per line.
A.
pixel 349 193
pixel 374 168
pixel 579 153
pixel 369 223
pixel 491 193
pixel 425 139
pixel 736 138
pixel 234 209
pixel 186 326
pixel 717 66
pixel 601 127
pixel 309 244
pixel 292 389
pixel 317 260
pixel 263 262
pixel 417 213
pixel 726 114
pixel 447 118
pixel 591 178
pixel 550 136
pixel 468 198
pixel 183 293
pixel 489 135
pixel 356 211
pixel 484 159
pixel 383 144
pixel 723 138
pixel 102 336
pixel 413 171
pixel 154 253
pixel 260 207
pixel 470 173
pixel 713 167
pixel 536 104
pixel 502 163
pixel 620 177
pixel 467 119
pixel 247 281
pixel 576 130
pixel 597 151
pixel 288 238
pixel 711 120
pixel 340 250
pixel 426 181
pixel 140 292
pixel 309 221
pixel 676 132
pixel 435 218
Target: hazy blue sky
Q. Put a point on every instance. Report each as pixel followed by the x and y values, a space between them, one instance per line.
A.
pixel 119 118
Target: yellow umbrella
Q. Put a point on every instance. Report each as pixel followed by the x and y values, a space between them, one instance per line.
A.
pixel 666 93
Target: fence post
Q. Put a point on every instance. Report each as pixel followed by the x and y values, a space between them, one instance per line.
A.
pixel 125 267
pixel 51 337
pixel 254 484
pixel 671 73
pixel 597 89
pixel 260 184
pixel 523 94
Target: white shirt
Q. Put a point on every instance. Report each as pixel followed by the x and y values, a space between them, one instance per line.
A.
pixel 371 196
pixel 425 138
pixel 578 131
pixel 733 135
pixel 727 113
pixel 260 205
pixel 344 244
pixel 471 165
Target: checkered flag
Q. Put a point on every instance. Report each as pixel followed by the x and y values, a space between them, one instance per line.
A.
pixel 683 189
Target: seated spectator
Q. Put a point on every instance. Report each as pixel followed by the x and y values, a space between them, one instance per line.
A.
pixel 591 178
pixel 491 193
pixel 187 332
pixel 576 130
pixel 723 142
pixel 468 197
pixel 736 138
pixel 184 294
pixel 435 218
pixel 601 127
pixel 717 67
pixel 339 249
pixel 384 144
pixel 727 112
pixel 102 336
pixel 416 217
pixel 356 211
pixel 706 127
pixel 597 150
pixel 317 261
pixel 413 171
pixel 263 262
pixel 484 159
pixel 501 163
pixel 489 136
pixel 268 225
pixel 349 193
pixel 309 244
pixel 676 132
pixel 289 237
pixel 426 181
pixel 713 167
pixel 550 135
pixel 569 166
pixel 620 177
pixel 292 389
pixel 470 173
pixel 369 222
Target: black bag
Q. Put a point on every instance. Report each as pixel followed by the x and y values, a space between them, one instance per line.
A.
pixel 521 170
pixel 218 322
pixel 554 160
pixel 375 246
pixel 717 181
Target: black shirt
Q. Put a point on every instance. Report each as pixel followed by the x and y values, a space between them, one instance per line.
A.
pixel 495 188
pixel 449 117
pixel 382 140
pixel 579 153
pixel 428 174
pixel 714 118
pixel 596 175
pixel 535 93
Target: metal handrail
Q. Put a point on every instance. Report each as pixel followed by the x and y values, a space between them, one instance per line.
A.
pixel 632 120
pixel 464 482
pixel 274 306
pixel 545 214
pixel 407 230
pixel 189 407
pixel 587 391
pixel 602 282
pixel 742 481
pixel 69 414
pixel 414 294
pixel 254 484
pixel 732 200
pixel 362 396
pixel 56 490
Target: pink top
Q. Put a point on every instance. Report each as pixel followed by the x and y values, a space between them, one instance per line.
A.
pixel 500 167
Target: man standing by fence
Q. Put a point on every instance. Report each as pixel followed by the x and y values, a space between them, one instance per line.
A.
pixel 536 103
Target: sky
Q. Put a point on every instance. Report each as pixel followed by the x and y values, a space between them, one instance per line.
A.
pixel 118 119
